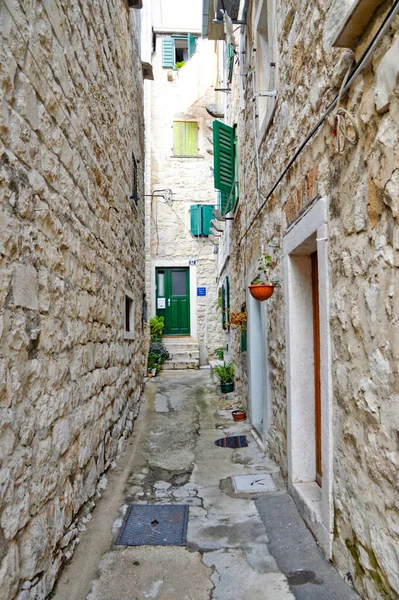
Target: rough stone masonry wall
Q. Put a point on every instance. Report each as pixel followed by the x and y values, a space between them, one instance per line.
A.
pixel 363 187
pixel 70 244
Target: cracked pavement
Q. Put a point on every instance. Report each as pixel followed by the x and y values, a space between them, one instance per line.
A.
pixel 172 459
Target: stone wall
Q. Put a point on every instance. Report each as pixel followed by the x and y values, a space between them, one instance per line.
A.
pixel 71 244
pixel 183 95
pixel 362 187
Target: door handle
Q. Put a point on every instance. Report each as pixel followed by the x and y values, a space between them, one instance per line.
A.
pixel 168 301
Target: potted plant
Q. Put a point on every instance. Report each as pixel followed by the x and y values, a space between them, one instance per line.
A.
pixel 225 374
pixel 219 353
pixel 156 357
pixel 238 319
pixel 261 287
pixel 240 413
pixel 157 325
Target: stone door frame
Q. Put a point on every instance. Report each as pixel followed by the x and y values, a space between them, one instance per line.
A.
pixel 193 288
pixel 315 503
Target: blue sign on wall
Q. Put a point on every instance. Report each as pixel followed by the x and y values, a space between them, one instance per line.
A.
pixel 201 291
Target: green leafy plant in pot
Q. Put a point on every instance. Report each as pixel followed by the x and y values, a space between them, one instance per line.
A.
pixel 225 374
pixel 262 287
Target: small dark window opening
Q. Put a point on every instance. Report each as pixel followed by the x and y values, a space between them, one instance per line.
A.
pixel 128 313
pixel 135 194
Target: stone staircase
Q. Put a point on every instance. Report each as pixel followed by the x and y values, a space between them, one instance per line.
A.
pixel 184 352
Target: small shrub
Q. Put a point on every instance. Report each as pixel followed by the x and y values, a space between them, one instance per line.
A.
pixel 157 325
pixel 159 351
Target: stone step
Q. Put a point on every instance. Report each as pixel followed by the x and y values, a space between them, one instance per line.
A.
pixel 184 354
pixel 180 346
pixel 172 365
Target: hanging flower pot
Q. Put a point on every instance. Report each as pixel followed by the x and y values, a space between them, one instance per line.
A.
pixel 261 291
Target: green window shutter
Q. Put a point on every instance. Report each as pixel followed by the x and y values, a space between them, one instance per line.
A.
pixel 192 45
pixel 195 219
pixel 168 53
pixel 223 308
pixel 230 62
pixel 191 131
pixel 179 137
pixel 224 164
pixel 227 299
pixel 207 216
pixel 244 340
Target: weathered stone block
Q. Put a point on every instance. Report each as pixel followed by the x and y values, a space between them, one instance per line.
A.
pixel 24 286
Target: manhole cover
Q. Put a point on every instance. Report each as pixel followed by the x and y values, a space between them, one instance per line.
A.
pixel 261 482
pixel 154 525
pixel 235 441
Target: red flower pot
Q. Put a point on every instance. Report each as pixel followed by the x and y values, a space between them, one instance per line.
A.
pixel 239 415
pixel 261 291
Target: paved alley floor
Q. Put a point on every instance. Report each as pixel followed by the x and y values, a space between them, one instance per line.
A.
pixel 172 459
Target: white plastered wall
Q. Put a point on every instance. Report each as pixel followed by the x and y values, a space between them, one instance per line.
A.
pixel 193 289
pixel 316 504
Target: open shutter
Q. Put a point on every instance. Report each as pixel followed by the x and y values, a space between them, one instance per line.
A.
pixel 168 53
pixel 191 139
pixel 223 143
pixel 179 138
pixel 227 300
pixel 192 45
pixel 223 307
pixel 230 62
pixel 195 219
pixel 207 216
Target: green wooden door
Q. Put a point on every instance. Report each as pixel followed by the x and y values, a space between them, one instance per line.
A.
pixel 173 299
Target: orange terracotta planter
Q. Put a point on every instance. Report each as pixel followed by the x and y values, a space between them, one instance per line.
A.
pixel 261 291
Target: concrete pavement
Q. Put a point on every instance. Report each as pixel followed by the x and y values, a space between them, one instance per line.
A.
pixel 172 459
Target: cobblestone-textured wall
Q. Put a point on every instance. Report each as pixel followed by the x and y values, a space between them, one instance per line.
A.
pixel 363 188
pixel 183 95
pixel 71 243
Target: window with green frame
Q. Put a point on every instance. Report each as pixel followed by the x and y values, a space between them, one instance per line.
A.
pixel 201 216
pixel 225 160
pixel 185 138
pixel 177 49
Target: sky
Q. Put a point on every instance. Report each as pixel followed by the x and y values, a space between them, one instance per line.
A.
pixel 182 14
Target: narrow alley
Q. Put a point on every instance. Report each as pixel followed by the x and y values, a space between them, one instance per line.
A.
pixel 247 545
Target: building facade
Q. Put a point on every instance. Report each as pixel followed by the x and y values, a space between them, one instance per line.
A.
pixel 72 356
pixel 311 120
pixel 179 184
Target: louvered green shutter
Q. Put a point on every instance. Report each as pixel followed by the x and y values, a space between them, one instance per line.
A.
pixel 192 45
pixel 195 219
pixel 168 53
pixel 227 300
pixel 207 216
pixel 223 143
pixel 230 62
pixel 223 308
pixel 191 130
pixel 179 138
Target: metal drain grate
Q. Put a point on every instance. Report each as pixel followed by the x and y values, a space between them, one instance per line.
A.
pixel 154 525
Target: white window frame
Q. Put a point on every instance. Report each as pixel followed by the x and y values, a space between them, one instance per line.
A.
pixel 129 333
pixel 265 74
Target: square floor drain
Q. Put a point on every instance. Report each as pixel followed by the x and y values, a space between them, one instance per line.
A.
pixel 261 482
pixel 154 525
